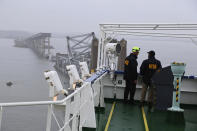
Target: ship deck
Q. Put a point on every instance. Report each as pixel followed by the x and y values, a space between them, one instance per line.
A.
pixel 127 117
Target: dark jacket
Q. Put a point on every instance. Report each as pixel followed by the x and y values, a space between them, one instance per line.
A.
pixel 148 68
pixel 130 68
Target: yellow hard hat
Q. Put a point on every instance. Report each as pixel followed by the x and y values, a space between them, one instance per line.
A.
pixel 135 49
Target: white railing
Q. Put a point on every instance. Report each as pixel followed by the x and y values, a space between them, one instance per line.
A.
pixel 97 87
pixel 78 107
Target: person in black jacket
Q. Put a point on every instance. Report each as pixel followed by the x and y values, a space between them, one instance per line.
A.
pixel 147 70
pixel 130 74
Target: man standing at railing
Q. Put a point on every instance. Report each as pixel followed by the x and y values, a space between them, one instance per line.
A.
pixel 147 70
pixel 130 74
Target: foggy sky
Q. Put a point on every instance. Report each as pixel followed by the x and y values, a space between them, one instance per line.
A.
pixel 65 16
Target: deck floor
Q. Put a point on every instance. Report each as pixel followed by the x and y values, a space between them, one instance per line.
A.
pixel 128 117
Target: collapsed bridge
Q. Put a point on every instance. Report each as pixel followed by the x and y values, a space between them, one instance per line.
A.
pixel 39 43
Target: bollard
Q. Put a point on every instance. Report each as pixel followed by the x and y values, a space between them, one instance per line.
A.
pixel 177 69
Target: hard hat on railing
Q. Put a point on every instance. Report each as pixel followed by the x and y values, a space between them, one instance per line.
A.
pixel 135 49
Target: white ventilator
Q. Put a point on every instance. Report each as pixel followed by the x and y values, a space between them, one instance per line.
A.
pixel 111 51
pixel 74 75
pixel 84 70
pixel 55 85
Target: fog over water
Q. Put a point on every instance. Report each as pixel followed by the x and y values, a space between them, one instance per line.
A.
pixel 25 70
pixel 167 50
pixel 84 16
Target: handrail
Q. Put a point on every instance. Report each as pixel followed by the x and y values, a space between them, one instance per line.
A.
pixel 41 102
pixel 83 99
pixel 29 103
pixel 78 95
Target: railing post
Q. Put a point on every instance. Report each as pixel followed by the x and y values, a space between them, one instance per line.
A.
pixel 49 117
pixel 67 116
pixel 1 112
pixel 75 109
pixel 102 103
pixel 96 93
pixel 87 112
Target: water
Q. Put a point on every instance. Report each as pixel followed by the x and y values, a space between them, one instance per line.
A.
pixel 22 67
pixel 25 69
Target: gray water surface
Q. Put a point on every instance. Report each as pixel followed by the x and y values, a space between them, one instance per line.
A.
pixel 25 70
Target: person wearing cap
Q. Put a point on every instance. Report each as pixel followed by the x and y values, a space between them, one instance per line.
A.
pixel 147 70
pixel 130 74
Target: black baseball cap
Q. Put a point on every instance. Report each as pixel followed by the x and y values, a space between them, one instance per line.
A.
pixel 152 53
